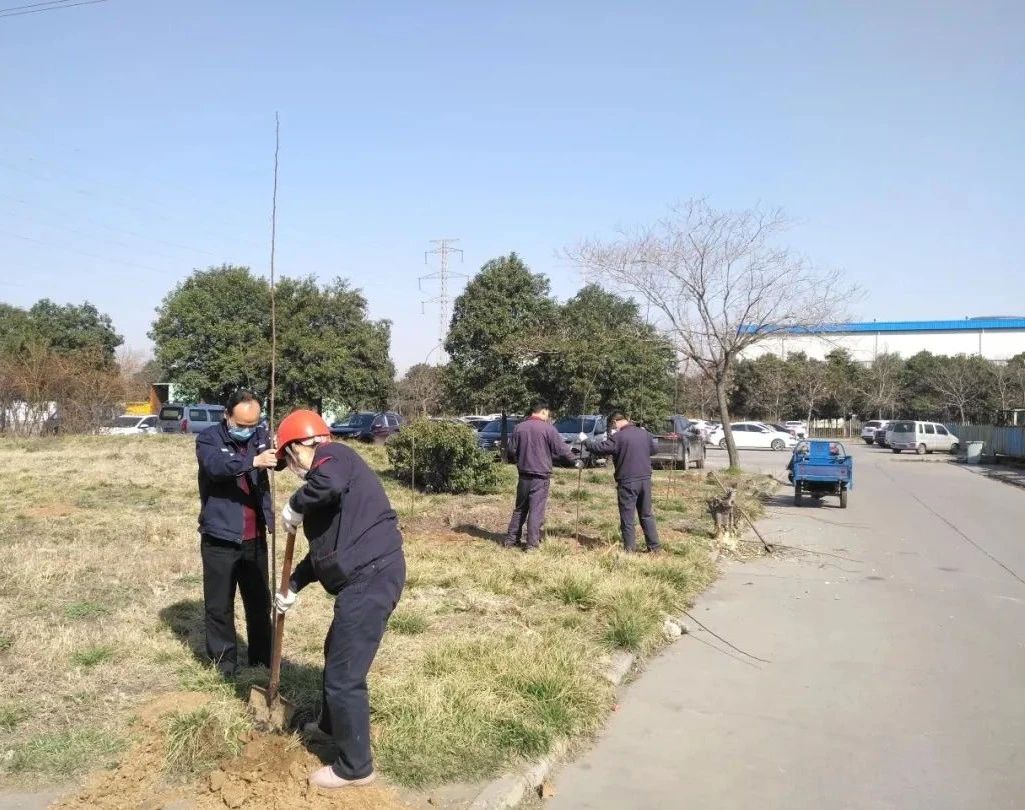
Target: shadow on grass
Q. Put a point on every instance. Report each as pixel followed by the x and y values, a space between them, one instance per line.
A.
pixel 471 530
pixel 300 683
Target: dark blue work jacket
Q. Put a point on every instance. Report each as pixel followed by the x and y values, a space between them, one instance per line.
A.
pixel 222 461
pixel 347 518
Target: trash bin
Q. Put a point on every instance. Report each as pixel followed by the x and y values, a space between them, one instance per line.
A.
pixel 974 452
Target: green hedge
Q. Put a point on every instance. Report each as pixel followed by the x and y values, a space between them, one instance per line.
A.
pixel 446 458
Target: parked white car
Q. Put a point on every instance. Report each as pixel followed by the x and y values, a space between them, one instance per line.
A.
pixel 131 425
pixel 753 436
pixel 799 428
pixel 922 437
pixel 868 430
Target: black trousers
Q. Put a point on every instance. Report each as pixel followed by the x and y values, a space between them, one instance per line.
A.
pixel 635 499
pixel 228 565
pixel 531 503
pixel 362 609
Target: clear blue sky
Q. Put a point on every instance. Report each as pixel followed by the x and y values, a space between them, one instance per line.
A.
pixel 136 141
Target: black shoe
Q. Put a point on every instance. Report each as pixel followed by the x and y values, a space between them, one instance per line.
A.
pixel 655 550
pixel 531 549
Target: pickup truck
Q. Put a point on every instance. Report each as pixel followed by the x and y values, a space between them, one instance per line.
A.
pixel 678 441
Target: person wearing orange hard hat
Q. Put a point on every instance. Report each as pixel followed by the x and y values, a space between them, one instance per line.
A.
pixel 356 555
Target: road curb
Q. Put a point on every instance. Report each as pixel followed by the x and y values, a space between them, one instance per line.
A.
pixel 508 791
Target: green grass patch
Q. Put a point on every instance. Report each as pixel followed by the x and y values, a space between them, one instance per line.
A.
pixel 85 610
pixel 408 622
pixel 576 588
pixel 197 740
pixel 6 642
pixel 12 714
pixel 63 753
pixel 513 696
pixel 93 656
pixel 634 621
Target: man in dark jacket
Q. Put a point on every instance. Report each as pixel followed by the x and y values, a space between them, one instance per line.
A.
pixel 534 444
pixel 631 448
pixel 235 513
pixel 356 555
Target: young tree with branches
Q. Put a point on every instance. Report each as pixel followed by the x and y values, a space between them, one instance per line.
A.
pixel 719 284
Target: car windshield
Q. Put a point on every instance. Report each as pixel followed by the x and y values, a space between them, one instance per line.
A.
pixel 495 426
pixel 574 424
pixel 170 413
pixel 357 420
pixel 125 422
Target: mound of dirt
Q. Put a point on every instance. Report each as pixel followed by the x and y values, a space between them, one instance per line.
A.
pixel 270 774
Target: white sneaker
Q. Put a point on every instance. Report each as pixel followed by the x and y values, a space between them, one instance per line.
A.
pixel 326 779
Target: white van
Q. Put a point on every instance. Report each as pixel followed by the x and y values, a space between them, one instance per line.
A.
pixel 922 437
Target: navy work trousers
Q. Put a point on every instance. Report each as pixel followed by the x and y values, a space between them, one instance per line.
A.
pixel 531 502
pixel 228 567
pixel 635 499
pixel 362 609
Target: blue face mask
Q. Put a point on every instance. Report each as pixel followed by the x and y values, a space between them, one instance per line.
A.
pixel 241 434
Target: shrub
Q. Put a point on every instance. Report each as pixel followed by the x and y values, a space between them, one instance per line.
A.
pixel 443 457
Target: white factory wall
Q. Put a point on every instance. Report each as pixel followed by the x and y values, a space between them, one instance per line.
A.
pixel 864 346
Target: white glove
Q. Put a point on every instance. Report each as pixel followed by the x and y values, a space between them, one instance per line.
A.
pixel 283 603
pixel 583 437
pixel 292 519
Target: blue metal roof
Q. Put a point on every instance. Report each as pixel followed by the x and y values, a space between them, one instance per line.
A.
pixel 966 325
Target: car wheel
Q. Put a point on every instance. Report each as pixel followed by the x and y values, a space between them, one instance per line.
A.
pixel 868 441
pixel 955 447
pixel 778 444
pixel 797 495
pixel 843 498
pixel 700 463
pixel 920 450
pixel 894 450
pixel 722 444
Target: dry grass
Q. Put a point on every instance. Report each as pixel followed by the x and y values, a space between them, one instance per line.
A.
pixel 492 655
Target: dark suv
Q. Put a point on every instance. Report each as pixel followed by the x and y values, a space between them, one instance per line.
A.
pixel 367 426
pixel 678 441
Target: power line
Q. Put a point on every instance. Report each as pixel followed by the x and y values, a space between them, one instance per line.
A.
pixel 442 251
pixel 13 11
pixel 35 5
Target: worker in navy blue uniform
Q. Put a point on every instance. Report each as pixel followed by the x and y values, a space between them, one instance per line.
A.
pixel 235 513
pixel 356 555
pixel 534 443
pixel 631 448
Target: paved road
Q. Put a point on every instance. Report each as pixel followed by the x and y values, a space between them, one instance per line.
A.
pixel 897 675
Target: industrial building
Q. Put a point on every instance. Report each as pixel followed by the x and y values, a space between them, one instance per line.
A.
pixel 995 338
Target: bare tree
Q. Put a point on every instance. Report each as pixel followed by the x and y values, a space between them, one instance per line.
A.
pixel 419 392
pixel 812 383
pixel 957 380
pixel 718 283
pixel 881 384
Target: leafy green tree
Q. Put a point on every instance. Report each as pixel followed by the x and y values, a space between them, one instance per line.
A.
pixel 964 385
pixel 329 349
pixel 811 383
pixel 492 341
pixel 762 388
pixel 79 330
pixel 918 395
pixel 603 355
pixel 845 375
pixel 212 335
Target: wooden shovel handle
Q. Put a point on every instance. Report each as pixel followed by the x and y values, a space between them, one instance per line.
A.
pixel 279 623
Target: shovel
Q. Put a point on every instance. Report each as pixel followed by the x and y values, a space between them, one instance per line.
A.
pixel 267 704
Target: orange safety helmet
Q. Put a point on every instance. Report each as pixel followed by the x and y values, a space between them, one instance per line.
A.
pixel 299 426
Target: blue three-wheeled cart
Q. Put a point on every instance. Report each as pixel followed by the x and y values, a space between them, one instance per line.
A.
pixel 820 468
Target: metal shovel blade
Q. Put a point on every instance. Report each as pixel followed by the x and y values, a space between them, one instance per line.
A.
pixel 275 711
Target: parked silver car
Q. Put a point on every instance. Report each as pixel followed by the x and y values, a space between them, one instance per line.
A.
pixel 868 430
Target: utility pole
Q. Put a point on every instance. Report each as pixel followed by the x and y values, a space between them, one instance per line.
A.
pixel 442 251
